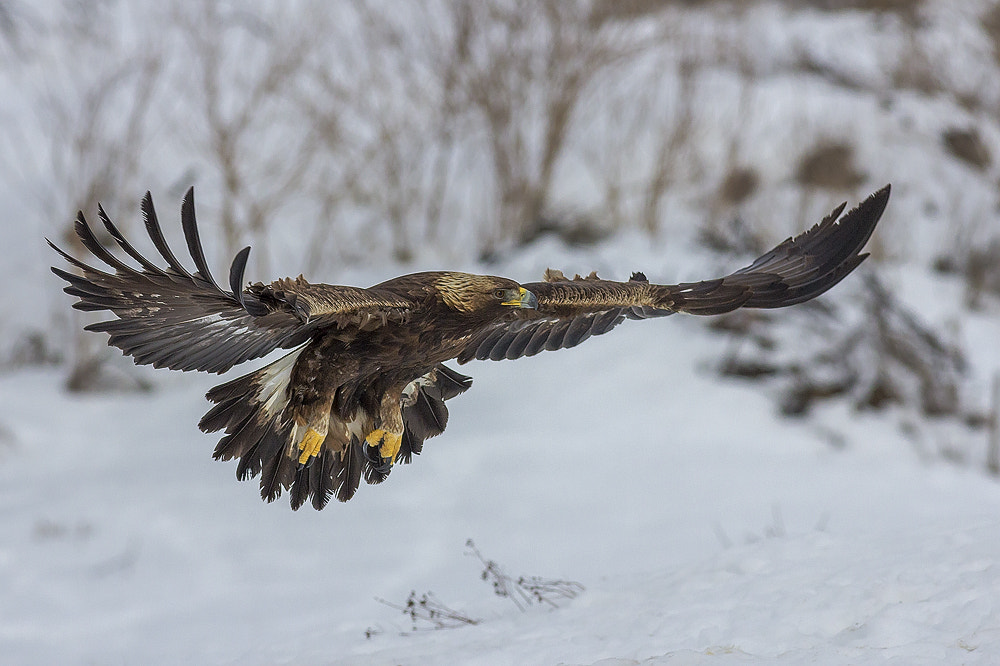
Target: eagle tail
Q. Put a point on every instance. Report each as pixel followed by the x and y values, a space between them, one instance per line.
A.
pixel 424 416
pixel 259 430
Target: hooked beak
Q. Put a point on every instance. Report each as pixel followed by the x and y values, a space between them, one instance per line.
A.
pixel 523 299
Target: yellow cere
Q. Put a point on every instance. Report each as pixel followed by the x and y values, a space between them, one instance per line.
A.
pixel 310 445
pixel 520 295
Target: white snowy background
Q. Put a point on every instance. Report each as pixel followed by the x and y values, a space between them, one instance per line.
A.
pixel 705 527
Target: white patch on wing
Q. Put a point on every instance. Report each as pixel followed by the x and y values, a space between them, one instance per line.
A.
pixel 214 318
pixel 273 382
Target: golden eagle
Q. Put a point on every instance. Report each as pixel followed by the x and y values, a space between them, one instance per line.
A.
pixel 365 384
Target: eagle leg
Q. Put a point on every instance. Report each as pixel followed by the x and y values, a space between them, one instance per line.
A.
pixel 313 416
pixel 388 435
pixel 388 442
pixel 310 445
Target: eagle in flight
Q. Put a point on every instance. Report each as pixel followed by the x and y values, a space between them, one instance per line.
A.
pixel 365 382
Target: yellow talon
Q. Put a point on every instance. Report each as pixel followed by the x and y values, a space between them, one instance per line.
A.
pixel 390 445
pixel 388 442
pixel 310 445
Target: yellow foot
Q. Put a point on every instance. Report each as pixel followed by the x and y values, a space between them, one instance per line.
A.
pixel 388 442
pixel 310 445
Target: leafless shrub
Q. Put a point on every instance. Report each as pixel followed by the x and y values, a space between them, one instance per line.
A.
pixel 526 68
pixel 982 273
pixel 888 357
pixel 572 229
pixel 247 68
pixel 524 591
pixel 634 135
pixel 731 235
pixel 873 357
pixel 672 136
pixel 829 165
pixel 386 127
pixel 93 123
pixel 917 71
pixel 94 112
pixel 727 230
pixel 105 373
pixel 966 145
pixel 740 183
pixel 894 351
pixel 978 264
pixel 990 21
pixel 428 611
pixel 32 348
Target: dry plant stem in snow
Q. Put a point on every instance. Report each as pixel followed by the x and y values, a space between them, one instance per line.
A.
pixel 428 609
pixel 525 590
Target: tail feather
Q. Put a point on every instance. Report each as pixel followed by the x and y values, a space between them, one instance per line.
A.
pixel 377 468
pixel 276 466
pixel 277 474
pixel 410 446
pixel 347 469
pixel 250 409
pixel 253 412
pixel 301 484
pixel 236 443
pixel 321 479
pixel 249 464
pixel 313 482
pixel 235 402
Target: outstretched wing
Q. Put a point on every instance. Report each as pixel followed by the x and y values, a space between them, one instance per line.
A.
pixel 173 318
pixel 570 311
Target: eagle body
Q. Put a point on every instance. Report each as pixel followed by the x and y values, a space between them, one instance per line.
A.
pixel 345 393
pixel 364 382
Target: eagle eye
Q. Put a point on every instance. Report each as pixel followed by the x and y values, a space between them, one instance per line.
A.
pixel 500 294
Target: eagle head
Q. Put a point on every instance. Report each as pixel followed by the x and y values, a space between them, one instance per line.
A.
pixel 470 293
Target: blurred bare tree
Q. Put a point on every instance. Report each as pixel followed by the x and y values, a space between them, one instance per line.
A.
pixel 523 67
pixel 376 129
pixel 372 105
pixel 247 69
pixel 92 116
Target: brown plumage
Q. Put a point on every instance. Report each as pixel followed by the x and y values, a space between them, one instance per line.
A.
pixel 365 384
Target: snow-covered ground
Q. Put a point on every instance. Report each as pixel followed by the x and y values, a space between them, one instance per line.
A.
pixel 705 528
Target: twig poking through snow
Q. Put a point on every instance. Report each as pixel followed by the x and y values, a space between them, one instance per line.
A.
pixel 428 608
pixel 526 590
